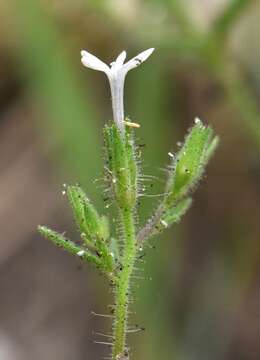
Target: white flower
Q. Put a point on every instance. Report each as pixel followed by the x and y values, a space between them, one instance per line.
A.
pixel 116 73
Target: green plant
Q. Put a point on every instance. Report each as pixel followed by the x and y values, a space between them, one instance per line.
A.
pixel 116 256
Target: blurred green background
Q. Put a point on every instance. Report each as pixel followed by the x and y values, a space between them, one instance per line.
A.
pixel 203 299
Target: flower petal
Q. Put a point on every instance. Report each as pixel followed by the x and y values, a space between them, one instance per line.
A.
pixel 139 59
pixel 93 62
pixel 121 58
pixel 118 63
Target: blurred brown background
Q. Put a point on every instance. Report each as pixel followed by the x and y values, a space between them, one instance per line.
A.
pixel 203 300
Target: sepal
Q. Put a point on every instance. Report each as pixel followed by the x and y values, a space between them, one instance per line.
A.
pixel 188 165
pixel 121 170
pixel 86 216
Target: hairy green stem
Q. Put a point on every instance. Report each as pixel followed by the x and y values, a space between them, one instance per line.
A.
pixel 150 226
pixel 122 287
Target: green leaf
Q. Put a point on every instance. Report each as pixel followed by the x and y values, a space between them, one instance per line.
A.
pixel 211 149
pixel 60 241
pixel 174 214
pixel 168 217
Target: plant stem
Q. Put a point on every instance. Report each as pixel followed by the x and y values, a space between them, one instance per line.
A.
pixel 122 287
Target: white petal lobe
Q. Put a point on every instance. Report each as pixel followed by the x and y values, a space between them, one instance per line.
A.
pixel 139 59
pixel 121 58
pixel 93 62
pixel 145 54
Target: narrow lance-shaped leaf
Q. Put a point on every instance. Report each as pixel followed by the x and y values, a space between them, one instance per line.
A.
pixel 163 219
pixel 211 149
pixel 174 214
pixel 60 241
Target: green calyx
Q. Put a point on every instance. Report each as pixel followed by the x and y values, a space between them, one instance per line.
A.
pixel 121 170
pixel 86 216
pixel 189 164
